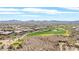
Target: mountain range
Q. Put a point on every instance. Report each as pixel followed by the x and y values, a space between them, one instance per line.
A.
pixel 32 21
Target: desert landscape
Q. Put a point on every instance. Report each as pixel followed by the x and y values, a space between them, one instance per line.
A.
pixel 39 29
pixel 39 36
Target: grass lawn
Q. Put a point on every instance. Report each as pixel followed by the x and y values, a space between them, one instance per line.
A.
pixel 56 31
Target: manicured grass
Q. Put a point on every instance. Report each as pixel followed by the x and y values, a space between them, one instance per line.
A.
pixel 56 31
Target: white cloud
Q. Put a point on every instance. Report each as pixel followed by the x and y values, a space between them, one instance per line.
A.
pixel 40 3
pixel 10 13
pixel 8 9
pixel 46 11
pixel 33 10
pixel 73 8
pixel 37 10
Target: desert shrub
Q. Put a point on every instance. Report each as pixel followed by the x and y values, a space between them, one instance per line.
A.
pixel 16 45
pixel 1 45
pixel 71 41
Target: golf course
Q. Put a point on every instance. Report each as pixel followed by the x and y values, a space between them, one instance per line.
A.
pixel 47 32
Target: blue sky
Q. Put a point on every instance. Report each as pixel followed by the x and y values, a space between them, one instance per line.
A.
pixel 39 13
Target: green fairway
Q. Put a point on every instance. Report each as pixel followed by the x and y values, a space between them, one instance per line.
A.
pixel 56 31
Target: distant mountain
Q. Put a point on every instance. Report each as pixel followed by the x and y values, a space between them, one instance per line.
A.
pixel 41 22
pixel 10 21
pixel 13 20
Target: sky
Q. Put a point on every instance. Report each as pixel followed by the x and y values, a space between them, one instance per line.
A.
pixel 24 10
pixel 39 13
pixel 39 3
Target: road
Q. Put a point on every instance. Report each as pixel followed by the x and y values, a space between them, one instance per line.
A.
pixel 21 37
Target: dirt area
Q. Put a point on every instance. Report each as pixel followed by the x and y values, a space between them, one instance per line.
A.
pixel 47 43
